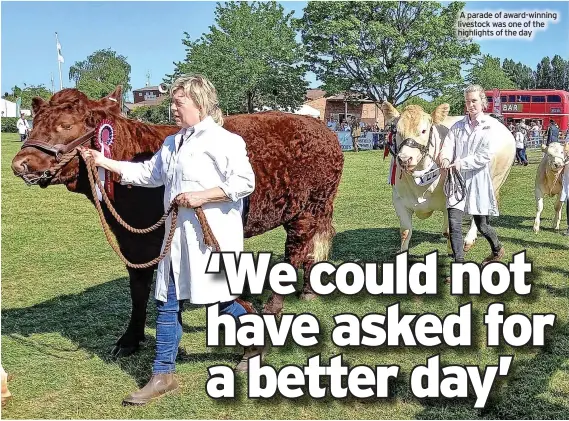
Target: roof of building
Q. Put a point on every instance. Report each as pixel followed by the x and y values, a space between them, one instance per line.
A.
pixel 313 94
pixel 146 88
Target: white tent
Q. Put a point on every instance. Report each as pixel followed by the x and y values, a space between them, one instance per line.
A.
pixel 308 110
pixel 8 109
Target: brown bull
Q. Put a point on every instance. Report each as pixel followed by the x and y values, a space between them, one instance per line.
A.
pixel 297 162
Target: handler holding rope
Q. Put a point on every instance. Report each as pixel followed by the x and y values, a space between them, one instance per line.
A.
pixel 206 166
pixel 466 155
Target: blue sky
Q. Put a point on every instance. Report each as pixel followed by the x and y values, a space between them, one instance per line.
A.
pixel 149 34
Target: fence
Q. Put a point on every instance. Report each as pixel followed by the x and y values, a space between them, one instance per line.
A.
pixel 376 140
pixel 367 141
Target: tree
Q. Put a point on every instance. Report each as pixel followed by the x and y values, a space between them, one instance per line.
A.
pixel 488 73
pixel 523 76
pixel 543 74
pixel 27 94
pixel 558 66
pixel 155 114
pixel 251 57
pixel 101 73
pixel 386 50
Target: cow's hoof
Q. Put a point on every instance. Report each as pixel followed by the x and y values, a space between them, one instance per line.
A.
pixel 535 229
pixel 467 247
pixel 120 351
pixel 445 234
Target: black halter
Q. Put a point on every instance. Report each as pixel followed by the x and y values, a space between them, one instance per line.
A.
pixel 409 142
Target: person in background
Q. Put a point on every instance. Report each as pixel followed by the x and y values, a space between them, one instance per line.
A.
pixel 23 127
pixel 552 134
pixel 520 148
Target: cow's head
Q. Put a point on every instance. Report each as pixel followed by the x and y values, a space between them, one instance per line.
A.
pixel 555 156
pixel 67 116
pixel 414 138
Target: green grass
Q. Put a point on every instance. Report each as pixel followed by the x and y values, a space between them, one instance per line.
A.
pixel 65 300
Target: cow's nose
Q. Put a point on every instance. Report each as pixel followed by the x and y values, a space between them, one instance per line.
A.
pixel 404 160
pixel 20 165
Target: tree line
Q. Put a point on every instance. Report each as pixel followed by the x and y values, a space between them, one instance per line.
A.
pixel 258 56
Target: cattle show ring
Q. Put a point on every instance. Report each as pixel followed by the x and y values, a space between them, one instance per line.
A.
pixel 351 278
pixel 71 322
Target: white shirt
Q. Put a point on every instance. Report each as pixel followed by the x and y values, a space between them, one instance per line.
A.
pixel 565 185
pixel 519 140
pixel 473 148
pixel 22 125
pixel 211 157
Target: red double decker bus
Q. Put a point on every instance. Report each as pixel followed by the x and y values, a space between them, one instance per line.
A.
pixel 533 105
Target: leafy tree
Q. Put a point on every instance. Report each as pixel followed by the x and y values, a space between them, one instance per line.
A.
pixel 251 57
pixel 100 73
pixel 543 74
pixel 27 94
pixel 386 50
pixel 523 76
pixel 156 114
pixel 488 73
pixel 558 66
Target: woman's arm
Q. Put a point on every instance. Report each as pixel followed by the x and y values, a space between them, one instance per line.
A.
pixel 143 174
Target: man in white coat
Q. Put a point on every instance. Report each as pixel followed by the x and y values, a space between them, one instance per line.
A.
pixel 467 151
pixel 202 165
pixel 23 127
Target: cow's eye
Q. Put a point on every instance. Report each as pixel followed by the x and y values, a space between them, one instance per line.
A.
pixel 66 126
pixel 424 131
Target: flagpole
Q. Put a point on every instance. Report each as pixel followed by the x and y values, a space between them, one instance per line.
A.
pixel 58 62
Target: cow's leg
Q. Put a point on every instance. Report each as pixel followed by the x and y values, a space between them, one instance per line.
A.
pixel 539 206
pixel 445 224
pixel 300 234
pixel 557 218
pixel 129 342
pixel 405 216
pixel 471 236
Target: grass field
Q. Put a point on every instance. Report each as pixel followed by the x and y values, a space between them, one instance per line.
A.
pixel 65 300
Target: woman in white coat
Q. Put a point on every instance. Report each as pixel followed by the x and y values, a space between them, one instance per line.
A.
pixel 201 165
pixel 467 148
pixel 564 197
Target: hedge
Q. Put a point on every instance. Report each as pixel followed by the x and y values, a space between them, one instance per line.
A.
pixel 9 124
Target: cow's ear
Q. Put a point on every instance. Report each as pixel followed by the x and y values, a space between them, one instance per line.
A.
pixel 37 103
pixel 440 113
pixel 389 111
pixel 112 102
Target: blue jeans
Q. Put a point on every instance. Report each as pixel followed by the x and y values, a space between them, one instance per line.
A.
pixel 169 328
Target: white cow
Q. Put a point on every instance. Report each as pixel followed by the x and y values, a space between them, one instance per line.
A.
pixel 417 149
pixel 548 181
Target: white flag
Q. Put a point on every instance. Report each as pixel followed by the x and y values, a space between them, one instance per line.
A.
pixel 59 56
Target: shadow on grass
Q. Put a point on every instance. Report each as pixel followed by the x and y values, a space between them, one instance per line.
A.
pixel 93 320
pixel 523 394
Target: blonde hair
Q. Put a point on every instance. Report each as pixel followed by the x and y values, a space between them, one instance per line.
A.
pixel 481 93
pixel 202 92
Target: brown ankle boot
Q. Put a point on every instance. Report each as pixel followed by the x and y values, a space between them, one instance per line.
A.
pixel 157 386
pixel 250 352
pixel 494 258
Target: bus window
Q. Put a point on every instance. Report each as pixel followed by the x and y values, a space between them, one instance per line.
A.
pixel 490 98
pixel 538 98
pixel 553 98
pixel 524 98
pixel 511 98
pixel 504 98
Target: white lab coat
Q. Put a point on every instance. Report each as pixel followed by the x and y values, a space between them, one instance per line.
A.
pixel 211 157
pixel 473 149
pixel 565 189
pixel 22 126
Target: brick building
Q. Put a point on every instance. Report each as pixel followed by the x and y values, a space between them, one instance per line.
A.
pixel 148 93
pixel 335 107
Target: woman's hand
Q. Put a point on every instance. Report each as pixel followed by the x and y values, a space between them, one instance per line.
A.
pixel 457 165
pixel 444 164
pixel 190 200
pixel 97 156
